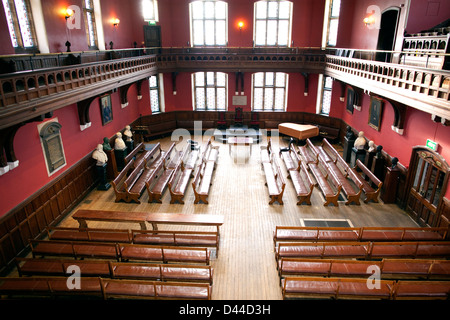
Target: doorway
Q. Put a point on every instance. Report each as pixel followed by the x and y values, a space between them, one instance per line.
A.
pixel 152 36
pixel 427 182
pixel 387 34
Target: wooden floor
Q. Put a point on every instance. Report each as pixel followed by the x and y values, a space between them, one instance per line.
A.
pixel 245 267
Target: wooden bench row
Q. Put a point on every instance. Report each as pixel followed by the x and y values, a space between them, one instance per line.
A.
pixel 52 287
pixel 119 251
pixel 364 250
pixel 386 268
pixel 115 270
pixel 275 181
pixel 358 288
pixel 204 173
pixel 299 175
pixel 139 172
pixel 161 237
pixel 298 233
pixel 182 174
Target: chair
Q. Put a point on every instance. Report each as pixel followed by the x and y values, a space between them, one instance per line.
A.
pixel 239 117
pixel 222 122
pixel 254 122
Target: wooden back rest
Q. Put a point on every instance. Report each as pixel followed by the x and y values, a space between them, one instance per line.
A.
pixel 134 174
pixel 304 168
pixel 332 174
pixel 312 147
pixel 369 173
pixel 134 152
pixel 342 163
pixel 122 176
pixel 174 175
pixel 278 175
pixel 328 146
pixel 356 178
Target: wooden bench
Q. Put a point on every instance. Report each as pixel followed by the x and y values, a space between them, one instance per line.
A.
pixel 51 287
pixel 421 290
pixel 274 180
pixel 115 270
pixel 178 183
pixel 83 215
pixel 303 186
pixel 349 190
pixel 89 234
pixel 164 254
pixel 119 182
pixel 372 193
pixel 388 268
pixel 138 154
pixel 335 288
pixel 326 151
pixel 165 170
pixel 265 151
pixel 331 196
pixel 203 181
pixel 364 250
pixel 290 158
pixel 210 153
pixel 308 156
pixel 177 238
pixel 314 234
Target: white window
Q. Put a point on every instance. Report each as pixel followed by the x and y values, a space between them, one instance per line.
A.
pixel 210 91
pixel 273 23
pixel 155 102
pixel 20 24
pixel 150 10
pixel 208 23
pixel 89 18
pixel 333 22
pixel 269 91
pixel 326 96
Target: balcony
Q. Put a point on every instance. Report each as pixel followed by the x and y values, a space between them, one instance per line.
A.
pixel 39 84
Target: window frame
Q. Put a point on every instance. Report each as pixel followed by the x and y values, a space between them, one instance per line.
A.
pixel 14 26
pixel 154 5
pixel 90 10
pixel 274 87
pixel 277 19
pixel 155 88
pixel 331 18
pixel 214 19
pixel 205 87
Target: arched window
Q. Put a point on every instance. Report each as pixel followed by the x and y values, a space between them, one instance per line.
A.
pixel 269 91
pixel 273 23
pixel 210 91
pixel 208 23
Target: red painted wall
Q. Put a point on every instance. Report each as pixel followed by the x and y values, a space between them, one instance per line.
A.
pixel 77 144
pixel 427 14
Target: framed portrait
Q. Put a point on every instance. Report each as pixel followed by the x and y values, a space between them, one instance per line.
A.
pixel 350 100
pixel 376 107
pixel 106 109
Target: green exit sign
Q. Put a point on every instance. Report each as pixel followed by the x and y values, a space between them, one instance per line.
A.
pixel 432 145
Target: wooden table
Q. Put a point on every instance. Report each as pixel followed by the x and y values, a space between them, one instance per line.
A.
pixel 82 216
pixel 240 141
pixel 298 131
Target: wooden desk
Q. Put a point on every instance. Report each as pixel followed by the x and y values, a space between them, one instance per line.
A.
pixel 82 216
pixel 298 131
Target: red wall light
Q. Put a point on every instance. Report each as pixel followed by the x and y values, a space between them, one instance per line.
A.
pixel 240 24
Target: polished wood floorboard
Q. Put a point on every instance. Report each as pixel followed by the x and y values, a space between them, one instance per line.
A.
pixel 245 267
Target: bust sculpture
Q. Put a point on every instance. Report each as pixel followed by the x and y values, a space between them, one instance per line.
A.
pixel 119 144
pixel 100 155
pixel 349 134
pixel 127 133
pixel 106 145
pixel 360 142
pixel 394 162
pixel 372 147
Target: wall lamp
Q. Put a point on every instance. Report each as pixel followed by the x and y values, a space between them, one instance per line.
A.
pixel 240 25
pixel 68 13
pixel 369 20
pixel 115 22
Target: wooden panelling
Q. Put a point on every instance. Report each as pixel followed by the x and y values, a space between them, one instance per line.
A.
pixel 45 208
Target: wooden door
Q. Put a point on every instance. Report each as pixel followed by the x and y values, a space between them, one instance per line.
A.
pixel 152 36
pixel 428 178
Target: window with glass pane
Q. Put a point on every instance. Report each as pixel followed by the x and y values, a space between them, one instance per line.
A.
pixel 89 19
pixel 333 22
pixel 20 25
pixel 269 91
pixel 273 21
pixel 154 94
pixel 208 23
pixel 210 91
pixel 326 98
pixel 150 10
